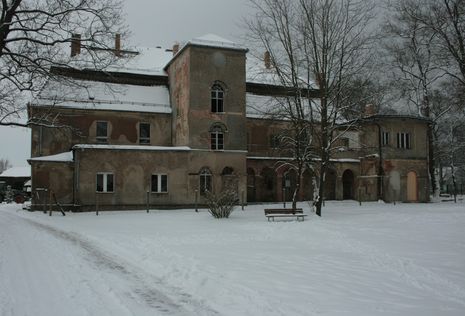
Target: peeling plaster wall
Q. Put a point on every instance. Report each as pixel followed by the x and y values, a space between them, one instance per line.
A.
pixel 80 128
pixel 227 68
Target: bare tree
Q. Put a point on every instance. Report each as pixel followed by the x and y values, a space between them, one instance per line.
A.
pixel 315 44
pixel 446 19
pixel 414 65
pixel 4 164
pixel 276 31
pixel 34 35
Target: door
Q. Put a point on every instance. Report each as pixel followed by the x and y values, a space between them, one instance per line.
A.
pixel 412 187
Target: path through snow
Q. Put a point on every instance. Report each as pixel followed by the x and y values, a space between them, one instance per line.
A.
pixel 84 280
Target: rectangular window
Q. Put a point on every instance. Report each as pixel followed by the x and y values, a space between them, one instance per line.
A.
pixel 217 141
pixel 105 182
pixel 144 133
pixel 274 141
pixel 344 142
pixel 159 183
pixel 102 132
pixel 404 141
pixel 385 138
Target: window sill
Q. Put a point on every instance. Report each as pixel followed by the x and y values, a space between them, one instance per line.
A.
pixel 99 192
pixel 159 193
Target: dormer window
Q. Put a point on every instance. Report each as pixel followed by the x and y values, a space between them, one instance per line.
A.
pixel 102 132
pixel 144 133
pixel 217 99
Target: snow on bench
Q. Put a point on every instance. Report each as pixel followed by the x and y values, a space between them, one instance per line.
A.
pixel 284 212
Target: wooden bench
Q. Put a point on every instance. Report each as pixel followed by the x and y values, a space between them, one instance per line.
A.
pixel 297 213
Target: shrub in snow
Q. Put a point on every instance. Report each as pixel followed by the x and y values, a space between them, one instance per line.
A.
pixel 221 205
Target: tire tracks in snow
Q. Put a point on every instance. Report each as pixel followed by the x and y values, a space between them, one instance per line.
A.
pixel 407 270
pixel 145 288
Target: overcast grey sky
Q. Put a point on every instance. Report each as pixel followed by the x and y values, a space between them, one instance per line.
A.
pixel 153 23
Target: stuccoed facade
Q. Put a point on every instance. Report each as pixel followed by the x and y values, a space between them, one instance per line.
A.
pixel 172 124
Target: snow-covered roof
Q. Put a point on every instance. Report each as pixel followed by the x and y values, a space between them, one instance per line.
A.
pixel 257 72
pixel 261 106
pixel 212 40
pixel 132 147
pixel 95 95
pixel 62 157
pixel 149 61
pixel 17 172
pixel 136 60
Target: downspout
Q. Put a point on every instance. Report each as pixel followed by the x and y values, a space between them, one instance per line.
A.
pixel 76 177
pixel 380 164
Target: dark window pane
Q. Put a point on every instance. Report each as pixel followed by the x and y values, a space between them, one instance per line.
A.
pixel 407 141
pixel 213 105
pixel 164 183
pixel 102 130
pixel 220 141
pixel 144 133
pixel 208 183
pixel 109 183
pixel 100 183
pixel 154 183
pixel 220 105
pixel 213 141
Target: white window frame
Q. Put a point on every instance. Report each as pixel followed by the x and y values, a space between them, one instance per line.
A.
pixel 385 138
pixel 215 140
pixel 144 140
pixel 101 139
pixel 217 96
pixel 203 176
pixel 404 140
pixel 105 182
pixel 159 182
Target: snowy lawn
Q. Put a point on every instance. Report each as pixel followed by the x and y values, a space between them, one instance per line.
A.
pixel 377 259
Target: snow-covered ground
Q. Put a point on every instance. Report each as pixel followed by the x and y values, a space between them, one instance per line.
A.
pixel 377 259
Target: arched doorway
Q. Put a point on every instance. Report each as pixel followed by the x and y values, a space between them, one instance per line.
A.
pixel 330 185
pixel 348 185
pixel 307 185
pixel 412 187
pixel 251 185
pixel 267 187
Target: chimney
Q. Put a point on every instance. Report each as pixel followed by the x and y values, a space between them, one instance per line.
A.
pixel 175 48
pixel 267 60
pixel 369 110
pixel 118 44
pixel 75 44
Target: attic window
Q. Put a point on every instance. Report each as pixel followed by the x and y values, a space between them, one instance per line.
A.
pixel 217 98
pixel 102 132
pixel 144 133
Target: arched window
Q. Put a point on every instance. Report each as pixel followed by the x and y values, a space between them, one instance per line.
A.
pixel 217 138
pixel 217 97
pixel 205 177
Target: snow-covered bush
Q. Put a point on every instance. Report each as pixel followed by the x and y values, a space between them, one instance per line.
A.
pixel 221 205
